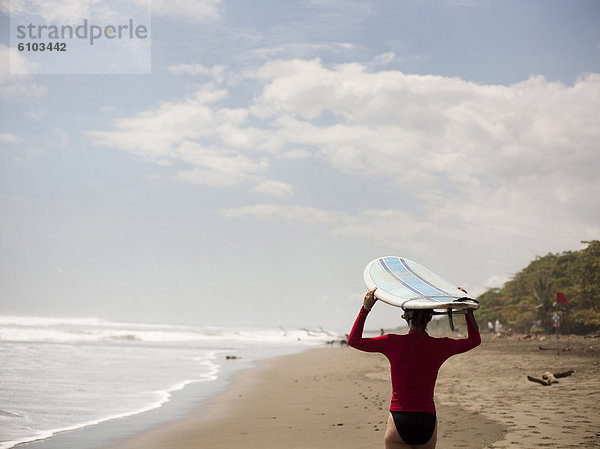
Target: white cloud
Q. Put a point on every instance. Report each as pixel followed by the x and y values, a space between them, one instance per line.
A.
pixel 107 109
pixel 18 148
pixel 9 138
pixel 479 161
pixel 274 188
pixel 296 154
pixel 409 126
pixel 385 58
pixel 194 132
pixel 217 72
pixel 217 167
pixel 302 49
pixel 156 134
pixel 498 170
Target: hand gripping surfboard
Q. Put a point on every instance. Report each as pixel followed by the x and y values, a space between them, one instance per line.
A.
pixel 403 283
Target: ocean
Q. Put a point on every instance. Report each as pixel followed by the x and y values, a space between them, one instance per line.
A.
pixel 61 380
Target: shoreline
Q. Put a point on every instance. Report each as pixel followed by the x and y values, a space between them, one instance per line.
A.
pixel 181 403
pixel 339 397
pixel 320 398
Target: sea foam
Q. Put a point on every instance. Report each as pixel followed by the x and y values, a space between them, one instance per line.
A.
pixel 64 374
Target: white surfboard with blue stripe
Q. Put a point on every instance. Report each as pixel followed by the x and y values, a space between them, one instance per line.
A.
pixel 404 283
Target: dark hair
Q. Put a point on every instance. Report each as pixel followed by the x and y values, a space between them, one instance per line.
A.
pixel 418 318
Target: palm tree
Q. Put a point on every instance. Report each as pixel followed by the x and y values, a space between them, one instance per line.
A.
pixel 543 291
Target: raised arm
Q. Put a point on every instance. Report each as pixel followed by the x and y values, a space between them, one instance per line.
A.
pixel 355 339
pixel 472 332
pixel 463 345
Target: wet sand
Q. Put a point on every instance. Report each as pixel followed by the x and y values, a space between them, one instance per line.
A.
pixel 339 397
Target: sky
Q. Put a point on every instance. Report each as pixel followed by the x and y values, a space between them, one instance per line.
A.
pixel 275 148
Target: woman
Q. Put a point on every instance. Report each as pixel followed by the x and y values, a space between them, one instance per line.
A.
pixel 414 361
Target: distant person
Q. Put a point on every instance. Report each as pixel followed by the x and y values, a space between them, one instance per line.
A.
pixel 414 359
pixel 491 327
pixel 498 326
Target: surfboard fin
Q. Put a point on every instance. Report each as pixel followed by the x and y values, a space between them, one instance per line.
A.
pixel 472 318
pixel 450 320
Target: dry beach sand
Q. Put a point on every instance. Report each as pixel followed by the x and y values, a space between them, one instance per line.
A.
pixel 338 398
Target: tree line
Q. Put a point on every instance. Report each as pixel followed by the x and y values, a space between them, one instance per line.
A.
pixel 527 302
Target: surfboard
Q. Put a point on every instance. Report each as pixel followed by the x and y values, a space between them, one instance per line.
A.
pixel 404 283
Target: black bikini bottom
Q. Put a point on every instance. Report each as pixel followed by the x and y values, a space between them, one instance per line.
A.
pixel 414 427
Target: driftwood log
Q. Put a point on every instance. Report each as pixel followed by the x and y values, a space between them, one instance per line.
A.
pixel 538 380
pixel 566 349
pixel 549 378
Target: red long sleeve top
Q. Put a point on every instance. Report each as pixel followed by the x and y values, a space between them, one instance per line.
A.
pixel 415 360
